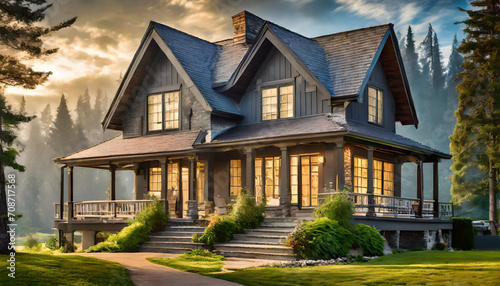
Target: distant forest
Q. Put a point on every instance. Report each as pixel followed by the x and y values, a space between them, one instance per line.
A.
pixel 60 131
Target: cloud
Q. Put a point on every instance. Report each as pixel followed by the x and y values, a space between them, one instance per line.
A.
pixel 377 11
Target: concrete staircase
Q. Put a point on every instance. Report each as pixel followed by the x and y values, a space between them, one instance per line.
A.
pixel 264 242
pixel 175 238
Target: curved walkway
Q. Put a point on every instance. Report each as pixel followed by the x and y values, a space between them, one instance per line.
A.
pixel 144 272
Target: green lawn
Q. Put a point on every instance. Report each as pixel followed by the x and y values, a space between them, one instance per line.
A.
pixel 47 269
pixel 422 267
pixel 190 262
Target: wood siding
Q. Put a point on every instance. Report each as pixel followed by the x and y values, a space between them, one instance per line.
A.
pixel 162 76
pixel 275 71
pixel 359 111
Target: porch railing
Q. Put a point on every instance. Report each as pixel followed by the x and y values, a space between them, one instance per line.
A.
pixel 394 206
pixel 103 209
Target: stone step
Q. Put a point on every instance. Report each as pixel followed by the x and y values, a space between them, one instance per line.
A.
pixel 246 241
pixel 173 244
pixel 185 228
pixel 260 255
pixel 176 233
pixel 170 238
pixel 278 224
pixel 181 222
pixel 260 238
pixel 280 219
pixel 270 231
pixel 164 249
pixel 242 247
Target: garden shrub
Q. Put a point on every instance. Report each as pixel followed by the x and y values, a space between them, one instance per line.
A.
pixel 337 207
pixel 322 238
pixel 153 215
pixel 52 243
pixel 244 214
pixel 31 242
pixel 127 240
pixel 463 233
pixel 369 239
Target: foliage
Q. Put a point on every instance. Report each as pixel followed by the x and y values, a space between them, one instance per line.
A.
pixel 438 246
pixel 127 240
pixel 31 242
pixel 48 269
pixel 463 233
pixel 52 243
pixel 103 235
pixel 337 207
pixel 412 268
pixel 369 240
pixel 196 261
pixel 153 215
pixel 244 214
pixel 475 140
pixel 322 238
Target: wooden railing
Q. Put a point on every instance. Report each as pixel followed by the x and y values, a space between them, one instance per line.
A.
pixel 393 206
pixel 103 209
pixel 446 210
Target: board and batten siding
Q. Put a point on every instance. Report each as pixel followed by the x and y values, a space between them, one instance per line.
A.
pixel 358 112
pixel 276 70
pixel 162 76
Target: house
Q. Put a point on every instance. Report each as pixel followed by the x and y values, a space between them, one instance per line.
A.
pixel 287 117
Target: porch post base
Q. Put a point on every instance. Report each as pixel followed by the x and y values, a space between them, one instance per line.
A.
pixel 192 209
pixel 285 207
pixel 68 246
pixel 88 239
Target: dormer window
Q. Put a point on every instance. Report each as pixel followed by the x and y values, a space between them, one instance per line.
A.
pixel 375 106
pixel 276 105
pixel 163 111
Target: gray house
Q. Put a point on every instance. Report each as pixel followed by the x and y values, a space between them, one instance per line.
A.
pixel 287 117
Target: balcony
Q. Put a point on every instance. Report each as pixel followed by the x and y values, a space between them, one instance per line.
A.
pixel 88 210
pixel 390 206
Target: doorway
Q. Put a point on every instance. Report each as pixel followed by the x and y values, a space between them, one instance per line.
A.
pixel 304 179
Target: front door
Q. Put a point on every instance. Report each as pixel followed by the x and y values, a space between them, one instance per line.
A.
pixel 309 180
pixel 185 189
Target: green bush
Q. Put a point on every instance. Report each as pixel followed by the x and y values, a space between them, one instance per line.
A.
pixel 321 239
pixel 31 242
pixel 52 243
pixel 337 207
pixel 127 240
pixel 369 240
pixel 153 215
pixel 463 233
pixel 244 214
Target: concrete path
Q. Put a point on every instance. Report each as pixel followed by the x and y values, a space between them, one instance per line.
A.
pixel 144 272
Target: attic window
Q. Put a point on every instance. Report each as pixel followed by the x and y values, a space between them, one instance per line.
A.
pixel 276 106
pixel 163 111
pixel 375 106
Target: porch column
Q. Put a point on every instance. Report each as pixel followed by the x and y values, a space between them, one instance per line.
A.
pixel 330 167
pixel 250 171
pixel 285 181
pixel 435 188
pixel 163 193
pixel 420 189
pixel 112 187
pixel 371 198
pixel 70 193
pixel 61 196
pixel 192 203
pixel 397 178
pixel 340 176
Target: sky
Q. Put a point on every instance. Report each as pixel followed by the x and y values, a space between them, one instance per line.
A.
pixel 100 45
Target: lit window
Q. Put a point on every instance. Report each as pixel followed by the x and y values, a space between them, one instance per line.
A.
pixel 270 106
pixel 163 111
pixel 375 105
pixel 294 178
pixel 200 181
pixel 235 177
pixel 377 177
pixel 360 175
pixel 155 182
pixel 173 178
pixel 388 179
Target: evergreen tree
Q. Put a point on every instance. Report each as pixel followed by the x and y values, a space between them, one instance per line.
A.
pixel 21 38
pixel 426 59
pixel 437 68
pixel 22 106
pixel 84 110
pixel 475 143
pixel 46 120
pixel 63 138
pixel 410 57
pixel 454 64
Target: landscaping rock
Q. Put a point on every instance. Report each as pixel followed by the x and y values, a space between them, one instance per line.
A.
pixel 306 263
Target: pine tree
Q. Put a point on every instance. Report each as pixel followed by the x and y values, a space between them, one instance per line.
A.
pixel 426 59
pixel 84 110
pixel 476 139
pixel 454 64
pixel 46 120
pixel 437 67
pixel 63 139
pixel 21 38
pixel 410 57
pixel 22 106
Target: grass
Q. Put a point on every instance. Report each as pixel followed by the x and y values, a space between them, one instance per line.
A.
pixel 46 269
pixel 193 262
pixel 422 267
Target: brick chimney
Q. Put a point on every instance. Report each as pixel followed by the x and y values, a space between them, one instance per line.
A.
pixel 246 27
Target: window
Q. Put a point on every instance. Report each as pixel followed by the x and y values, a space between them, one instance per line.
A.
pixel 272 177
pixel 294 178
pixel 270 106
pixel 377 176
pixel 258 179
pixel 234 177
pixel 388 179
pixel 360 175
pixel 163 111
pixel 173 178
pixel 155 182
pixel 375 106
pixel 200 181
